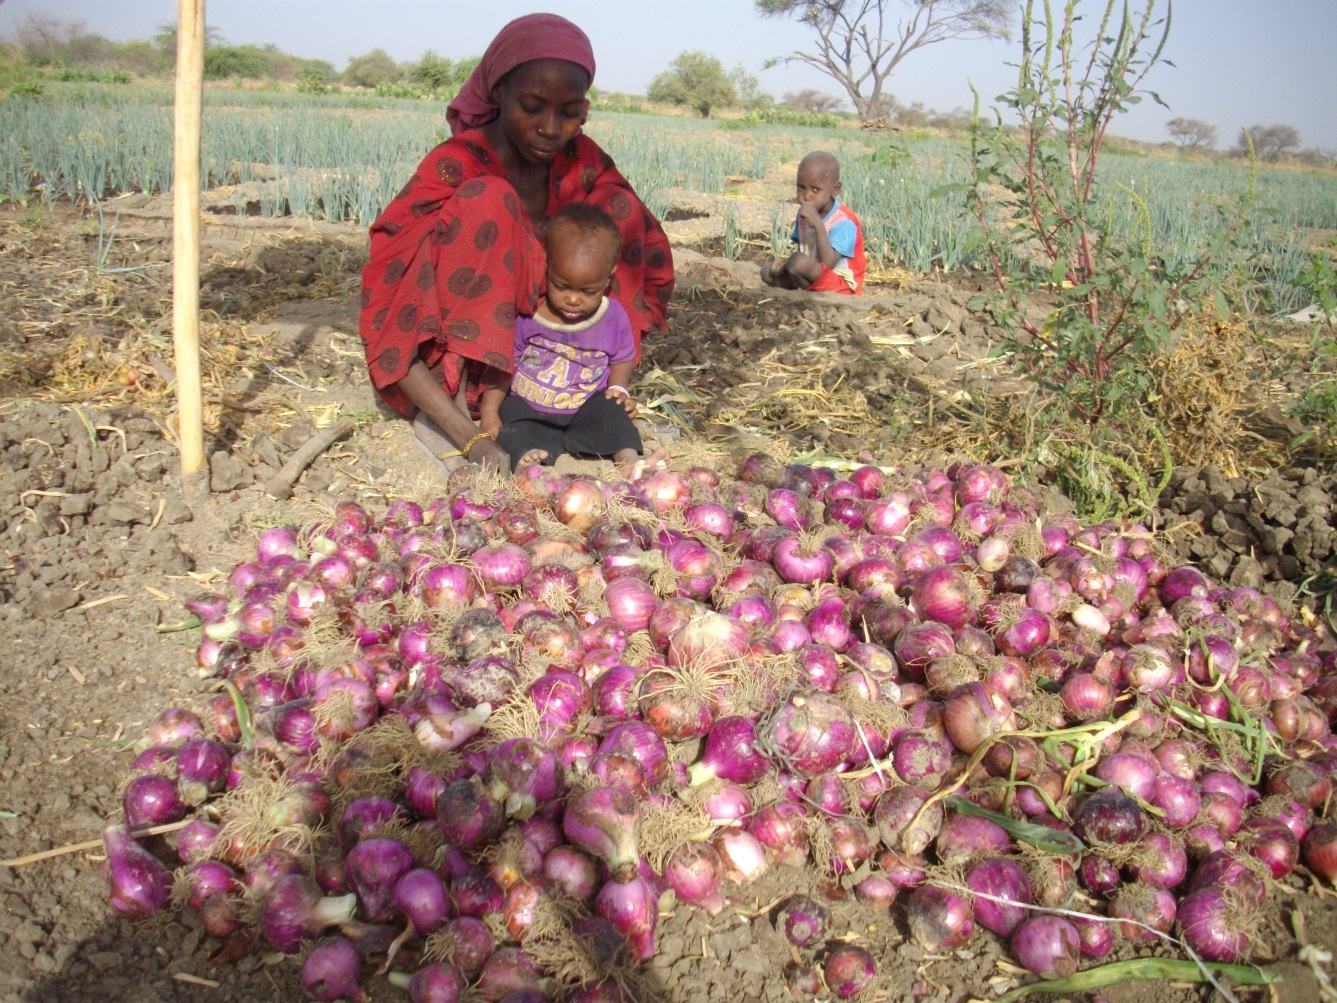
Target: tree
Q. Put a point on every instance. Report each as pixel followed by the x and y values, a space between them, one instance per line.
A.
pixel 1192 134
pixel 376 67
pixel 812 100
pixel 1269 141
pixel 696 80
pixel 433 71
pixel 44 39
pixel 747 90
pixel 858 46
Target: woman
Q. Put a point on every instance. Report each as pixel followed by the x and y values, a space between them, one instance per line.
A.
pixel 459 252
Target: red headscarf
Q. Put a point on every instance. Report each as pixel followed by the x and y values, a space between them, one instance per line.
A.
pixel 534 36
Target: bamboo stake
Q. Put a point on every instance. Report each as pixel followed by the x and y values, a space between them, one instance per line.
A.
pixel 186 248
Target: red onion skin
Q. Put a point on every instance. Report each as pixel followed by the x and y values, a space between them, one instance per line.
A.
pixel 1272 843
pixel 1108 817
pixel 372 869
pixel 694 871
pixel 138 884
pixel 894 813
pixel 1095 940
pixel 1205 923
pixel 974 713
pixel 294 910
pixel 633 907
pixel 151 799
pixel 604 822
pixel 848 970
pixel 939 920
pixel 1320 850
pixel 810 733
pixel 1180 799
pixel 964 835
pixel 1000 878
pixel 331 971
pixel 1154 907
pixel 1047 945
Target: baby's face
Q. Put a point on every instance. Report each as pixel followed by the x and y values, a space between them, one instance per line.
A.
pixel 817 186
pixel 578 277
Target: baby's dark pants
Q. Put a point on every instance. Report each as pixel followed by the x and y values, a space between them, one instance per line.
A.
pixel 601 427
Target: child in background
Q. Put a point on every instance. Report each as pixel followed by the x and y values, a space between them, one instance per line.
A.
pixel 830 258
pixel 573 358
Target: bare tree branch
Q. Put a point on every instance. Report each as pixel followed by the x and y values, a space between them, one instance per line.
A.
pixel 859 48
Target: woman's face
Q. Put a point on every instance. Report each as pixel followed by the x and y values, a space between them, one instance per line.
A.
pixel 542 103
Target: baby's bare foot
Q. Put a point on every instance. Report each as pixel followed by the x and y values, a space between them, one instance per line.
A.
pixel 634 466
pixel 534 456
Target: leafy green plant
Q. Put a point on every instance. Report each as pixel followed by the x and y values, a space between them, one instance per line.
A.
pixel 1048 227
pixel 1318 407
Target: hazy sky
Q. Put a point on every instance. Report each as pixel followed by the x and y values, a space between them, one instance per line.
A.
pixel 1237 62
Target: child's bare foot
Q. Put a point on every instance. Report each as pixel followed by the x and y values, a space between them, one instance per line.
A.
pixel 768 272
pixel 634 466
pixel 534 456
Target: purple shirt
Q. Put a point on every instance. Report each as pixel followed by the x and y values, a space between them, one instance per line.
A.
pixel 558 367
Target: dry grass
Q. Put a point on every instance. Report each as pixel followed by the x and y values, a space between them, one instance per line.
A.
pixel 1209 399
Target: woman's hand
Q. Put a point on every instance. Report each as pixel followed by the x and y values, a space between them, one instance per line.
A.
pixel 487 454
pixel 620 395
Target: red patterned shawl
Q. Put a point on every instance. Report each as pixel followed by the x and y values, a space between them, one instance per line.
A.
pixel 455 257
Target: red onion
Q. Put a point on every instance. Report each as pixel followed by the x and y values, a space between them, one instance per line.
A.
pixel 137 883
pixel 437 982
pixel 605 821
pixel 421 895
pixel 1131 774
pixel 939 920
pixel 1151 907
pixel 1177 797
pixel 1320 850
pixel 900 822
pixel 781 827
pixel 919 645
pixel 294 910
pixel 810 733
pixel 976 712
pixel 1272 843
pixel 962 836
pixel 332 971
pixel 848 970
pixel 802 562
pixel 508 972
pixel 151 799
pixel 999 878
pixel 694 871
pixel 1160 861
pixel 638 740
pixel 372 869
pixel 1047 945
pixel 730 754
pixel 1214 925
pixel 633 907
pixel 942 594
pixel 1107 816
pixel 743 855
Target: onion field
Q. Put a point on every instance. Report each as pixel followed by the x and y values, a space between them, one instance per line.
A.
pixel 341 158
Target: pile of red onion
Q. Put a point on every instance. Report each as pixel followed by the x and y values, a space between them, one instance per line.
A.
pixel 477 744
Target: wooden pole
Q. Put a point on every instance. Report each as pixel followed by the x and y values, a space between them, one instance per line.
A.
pixel 186 248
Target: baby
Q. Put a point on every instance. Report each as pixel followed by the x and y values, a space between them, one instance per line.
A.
pixel 573 358
pixel 830 258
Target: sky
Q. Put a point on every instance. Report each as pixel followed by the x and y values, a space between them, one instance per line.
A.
pixel 1236 62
